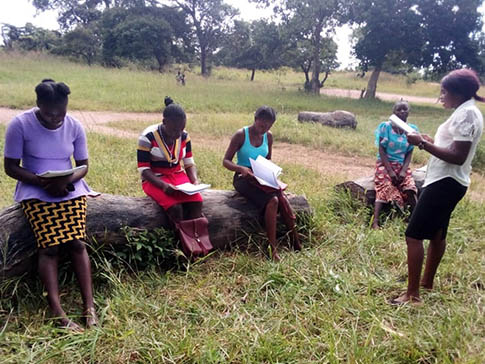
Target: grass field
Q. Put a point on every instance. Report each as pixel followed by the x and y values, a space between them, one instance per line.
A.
pixel 326 304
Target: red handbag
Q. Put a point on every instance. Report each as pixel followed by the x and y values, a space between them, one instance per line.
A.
pixel 194 237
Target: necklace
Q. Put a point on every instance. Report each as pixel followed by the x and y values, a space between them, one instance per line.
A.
pixel 170 150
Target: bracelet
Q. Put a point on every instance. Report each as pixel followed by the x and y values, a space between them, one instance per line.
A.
pixel 421 145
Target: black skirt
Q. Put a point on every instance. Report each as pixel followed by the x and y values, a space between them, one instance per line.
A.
pixel 252 192
pixel 433 210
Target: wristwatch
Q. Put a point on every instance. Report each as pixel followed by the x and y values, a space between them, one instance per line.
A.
pixel 421 145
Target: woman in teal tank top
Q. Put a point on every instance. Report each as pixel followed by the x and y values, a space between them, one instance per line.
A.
pixel 251 142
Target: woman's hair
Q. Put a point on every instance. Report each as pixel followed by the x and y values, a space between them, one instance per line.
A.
pixel 173 111
pixel 463 82
pixel 51 92
pixel 265 113
pixel 401 102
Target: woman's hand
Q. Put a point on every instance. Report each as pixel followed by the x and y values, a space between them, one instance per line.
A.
pixel 57 186
pixel 245 172
pixel 168 188
pixel 415 138
pixel 428 138
pixel 394 178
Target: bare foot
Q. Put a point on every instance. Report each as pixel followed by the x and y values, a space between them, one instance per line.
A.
pixel 296 241
pixel 375 226
pixel 275 256
pixel 90 317
pixel 405 298
pixel 67 324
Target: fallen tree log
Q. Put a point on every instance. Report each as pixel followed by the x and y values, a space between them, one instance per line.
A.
pixel 363 188
pixel 336 119
pixel 230 217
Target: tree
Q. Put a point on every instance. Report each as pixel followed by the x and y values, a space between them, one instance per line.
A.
pixel 81 42
pixel 29 38
pixel 416 33
pixel 310 21
pixel 299 56
pixel 84 12
pixel 256 45
pixel 210 20
pixel 135 34
pixel 141 38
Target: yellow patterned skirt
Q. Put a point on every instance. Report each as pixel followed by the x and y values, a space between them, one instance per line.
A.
pixel 55 223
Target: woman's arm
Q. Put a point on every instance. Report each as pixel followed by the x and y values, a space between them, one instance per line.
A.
pixel 149 176
pixel 236 143
pixel 405 165
pixel 270 145
pixel 13 169
pixel 385 162
pixel 457 153
pixel 192 174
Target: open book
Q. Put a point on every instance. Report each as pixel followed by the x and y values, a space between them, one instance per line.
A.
pixel 266 172
pixel 397 122
pixel 65 172
pixel 190 189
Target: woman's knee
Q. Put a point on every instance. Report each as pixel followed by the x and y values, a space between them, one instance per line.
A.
pixel 50 252
pixel 77 246
pixel 272 203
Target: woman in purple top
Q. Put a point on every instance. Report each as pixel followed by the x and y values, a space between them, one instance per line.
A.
pixel 44 139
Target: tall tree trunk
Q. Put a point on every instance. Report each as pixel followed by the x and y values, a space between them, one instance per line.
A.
pixel 372 84
pixel 316 59
pixel 203 60
pixel 253 71
pixel 325 78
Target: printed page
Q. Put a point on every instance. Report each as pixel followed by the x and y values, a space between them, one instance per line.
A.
pixel 66 172
pixel 396 121
pixel 191 189
pixel 265 171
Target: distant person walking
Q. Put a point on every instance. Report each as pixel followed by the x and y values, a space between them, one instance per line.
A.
pixel 393 180
pixel 447 178
pixel 41 139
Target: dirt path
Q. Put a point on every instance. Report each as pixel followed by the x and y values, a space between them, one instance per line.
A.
pixel 337 166
pixel 355 94
pixel 327 164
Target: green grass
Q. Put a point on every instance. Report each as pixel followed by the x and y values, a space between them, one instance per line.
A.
pixel 326 304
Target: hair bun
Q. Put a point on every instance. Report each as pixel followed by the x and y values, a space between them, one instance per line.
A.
pixel 168 100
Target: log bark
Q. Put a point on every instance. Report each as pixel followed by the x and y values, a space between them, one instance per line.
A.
pixel 230 217
pixel 336 119
pixel 363 188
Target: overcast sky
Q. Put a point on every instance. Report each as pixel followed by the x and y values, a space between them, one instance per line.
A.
pixel 19 12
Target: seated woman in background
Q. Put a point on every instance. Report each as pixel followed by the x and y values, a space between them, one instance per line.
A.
pixel 162 148
pixel 393 179
pixel 251 142
pixel 41 139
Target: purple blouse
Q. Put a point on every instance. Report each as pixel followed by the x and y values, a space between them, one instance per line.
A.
pixel 41 149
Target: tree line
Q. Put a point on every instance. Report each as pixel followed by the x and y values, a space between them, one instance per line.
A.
pixel 388 35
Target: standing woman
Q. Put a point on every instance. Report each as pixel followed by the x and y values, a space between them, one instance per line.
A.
pixel 447 177
pixel 250 142
pixel 41 139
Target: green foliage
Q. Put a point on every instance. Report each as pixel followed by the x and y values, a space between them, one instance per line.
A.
pixel 29 38
pixel 408 33
pixel 81 42
pixel 144 248
pixel 210 20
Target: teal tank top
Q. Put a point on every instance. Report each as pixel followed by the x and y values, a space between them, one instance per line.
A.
pixel 248 151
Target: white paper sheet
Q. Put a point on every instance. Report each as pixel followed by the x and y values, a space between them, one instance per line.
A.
pixel 397 122
pixel 191 189
pixel 65 172
pixel 266 172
